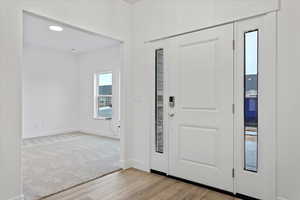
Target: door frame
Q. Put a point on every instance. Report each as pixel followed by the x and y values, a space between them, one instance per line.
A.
pixel 270 111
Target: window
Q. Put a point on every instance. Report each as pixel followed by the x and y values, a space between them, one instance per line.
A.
pixel 159 101
pixel 251 101
pixel 103 95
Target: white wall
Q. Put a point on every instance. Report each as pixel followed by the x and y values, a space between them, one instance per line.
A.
pixel 50 92
pixel 58 91
pixel 288 101
pixel 108 59
pixel 160 18
pixel 10 99
pixel 154 19
pixel 109 17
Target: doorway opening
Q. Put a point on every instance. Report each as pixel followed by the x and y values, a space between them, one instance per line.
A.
pixel 71 106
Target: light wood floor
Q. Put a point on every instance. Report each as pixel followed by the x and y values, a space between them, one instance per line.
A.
pixel 132 184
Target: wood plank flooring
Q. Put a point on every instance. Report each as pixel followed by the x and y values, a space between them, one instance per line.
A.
pixel 132 184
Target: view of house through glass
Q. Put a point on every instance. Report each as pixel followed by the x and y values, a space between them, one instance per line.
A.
pixel 251 101
pixel 104 95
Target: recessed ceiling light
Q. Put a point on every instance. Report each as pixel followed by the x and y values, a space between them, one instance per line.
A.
pixel 56 28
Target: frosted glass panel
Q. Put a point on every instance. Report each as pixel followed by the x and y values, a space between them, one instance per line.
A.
pixel 159 101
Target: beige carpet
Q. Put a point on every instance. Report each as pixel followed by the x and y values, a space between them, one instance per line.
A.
pixel 55 163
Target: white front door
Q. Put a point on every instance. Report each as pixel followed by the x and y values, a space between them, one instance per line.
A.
pixel 201 122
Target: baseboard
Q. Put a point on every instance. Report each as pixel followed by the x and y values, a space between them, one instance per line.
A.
pixel 21 197
pixel 99 133
pixel 137 164
pixel 53 132
pixel 69 130
pixel 281 198
pixel 125 164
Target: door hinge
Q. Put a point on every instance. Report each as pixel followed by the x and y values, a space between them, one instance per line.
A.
pixel 233 108
pixel 233 44
pixel 233 173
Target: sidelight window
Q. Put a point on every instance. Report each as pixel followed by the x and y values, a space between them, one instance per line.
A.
pixel 251 41
pixel 159 101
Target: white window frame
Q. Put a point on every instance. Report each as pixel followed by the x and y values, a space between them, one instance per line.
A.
pixel 96 95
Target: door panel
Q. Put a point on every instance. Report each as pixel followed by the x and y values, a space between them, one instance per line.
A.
pixel 204 139
pixel 263 143
pixel 201 133
pixel 197 67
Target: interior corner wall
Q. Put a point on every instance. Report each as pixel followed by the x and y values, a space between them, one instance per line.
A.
pixel 58 91
pixel 104 60
pixel 50 92
pixel 10 99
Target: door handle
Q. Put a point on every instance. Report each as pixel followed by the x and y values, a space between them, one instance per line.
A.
pixel 171 114
pixel 172 101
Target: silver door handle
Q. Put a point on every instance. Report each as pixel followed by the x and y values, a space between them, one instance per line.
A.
pixel 171 114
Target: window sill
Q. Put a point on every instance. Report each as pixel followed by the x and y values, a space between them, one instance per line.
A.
pixel 102 118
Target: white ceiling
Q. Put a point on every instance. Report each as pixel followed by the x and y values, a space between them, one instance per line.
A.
pixel 37 33
pixel 131 1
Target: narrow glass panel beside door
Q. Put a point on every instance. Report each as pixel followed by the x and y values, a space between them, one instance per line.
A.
pixel 251 101
pixel 159 101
